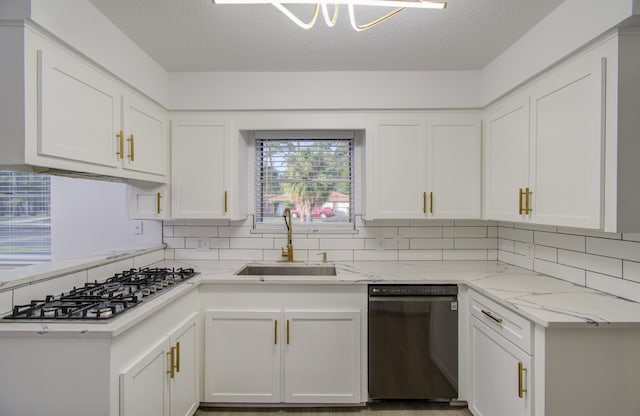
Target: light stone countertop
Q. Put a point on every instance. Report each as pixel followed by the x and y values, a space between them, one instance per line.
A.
pixel 547 301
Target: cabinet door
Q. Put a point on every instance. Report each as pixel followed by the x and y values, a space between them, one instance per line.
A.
pixel 183 387
pixel 198 170
pixel 242 356
pixel 79 110
pixel 500 373
pixel 506 158
pixel 148 202
pixel 144 128
pixel 453 148
pixel 397 169
pixel 322 356
pixel 144 385
pixel 566 145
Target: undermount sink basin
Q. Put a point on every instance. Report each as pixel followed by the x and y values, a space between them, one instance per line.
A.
pixel 288 270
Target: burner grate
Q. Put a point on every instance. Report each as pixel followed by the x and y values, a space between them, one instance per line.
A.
pixel 103 300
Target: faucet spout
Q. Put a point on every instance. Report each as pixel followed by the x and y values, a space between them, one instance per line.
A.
pixel 288 253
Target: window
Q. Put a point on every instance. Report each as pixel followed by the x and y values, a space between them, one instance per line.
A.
pixel 25 217
pixel 309 172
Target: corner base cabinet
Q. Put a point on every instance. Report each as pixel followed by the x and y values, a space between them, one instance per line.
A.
pixel 277 348
pixel 519 368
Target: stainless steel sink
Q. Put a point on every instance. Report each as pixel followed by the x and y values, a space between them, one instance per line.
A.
pixel 288 270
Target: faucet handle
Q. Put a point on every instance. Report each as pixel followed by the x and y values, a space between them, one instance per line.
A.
pixel 285 252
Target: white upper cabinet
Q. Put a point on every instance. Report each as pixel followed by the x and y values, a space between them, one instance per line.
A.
pixel 566 145
pixel 506 158
pixel 66 113
pixel 145 130
pixel 453 154
pixel 543 149
pixel 78 108
pixel 207 170
pixel 423 168
pixel 396 166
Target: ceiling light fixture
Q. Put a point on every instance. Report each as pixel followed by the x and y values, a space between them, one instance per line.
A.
pixel 398 6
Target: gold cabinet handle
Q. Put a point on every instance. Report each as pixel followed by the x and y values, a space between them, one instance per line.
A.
pixel 275 332
pixel 527 209
pixel 424 202
pixel 131 147
pixel 178 357
pixel 158 196
pixel 226 202
pixel 522 371
pixel 172 368
pixel 431 202
pixel 492 316
pixel 521 193
pixel 120 151
pixel 287 332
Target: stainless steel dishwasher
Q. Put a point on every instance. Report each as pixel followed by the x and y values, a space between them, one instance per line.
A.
pixel 413 342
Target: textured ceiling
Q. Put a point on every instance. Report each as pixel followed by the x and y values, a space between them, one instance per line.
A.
pixel 195 35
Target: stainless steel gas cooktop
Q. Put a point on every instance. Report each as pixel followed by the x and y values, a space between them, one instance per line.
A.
pixel 103 300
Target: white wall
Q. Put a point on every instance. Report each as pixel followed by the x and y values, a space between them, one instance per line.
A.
pixel 570 26
pixel 91 217
pixel 324 90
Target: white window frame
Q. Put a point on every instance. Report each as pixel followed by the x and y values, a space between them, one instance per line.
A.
pixel 330 227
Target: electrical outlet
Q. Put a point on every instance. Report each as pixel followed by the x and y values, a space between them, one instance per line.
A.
pixel 202 244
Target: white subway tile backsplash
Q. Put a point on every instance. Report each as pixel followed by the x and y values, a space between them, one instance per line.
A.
pixel 342 244
pixel 193 231
pixel 506 245
pixel 251 243
pixel 626 250
pixel 598 264
pixel 372 232
pixel 420 232
pixel 619 287
pixel 234 232
pixel 167 231
pixel 298 243
pixel 102 273
pixel 524 236
pixel 492 254
pixel 175 242
pixel 570 274
pixel 148 258
pixel 332 255
pixel 373 255
pixel 515 259
pixel 475 243
pixel 631 270
pixel 546 253
pixel 431 243
pixel 237 254
pixel 492 232
pixel 524 249
pixel 569 242
pixel 411 255
pixel 475 223
pixel 431 223
pixel 36 290
pixel 188 254
pixel 589 233
pixel 169 254
pixel 462 232
pixel 464 255
pixel 6 301
pixel 536 227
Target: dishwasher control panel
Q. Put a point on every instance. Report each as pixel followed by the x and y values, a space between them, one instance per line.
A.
pixel 413 290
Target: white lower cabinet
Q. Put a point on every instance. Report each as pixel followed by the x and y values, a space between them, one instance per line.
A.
pixel 500 374
pixel 284 344
pixel 313 354
pixel 164 381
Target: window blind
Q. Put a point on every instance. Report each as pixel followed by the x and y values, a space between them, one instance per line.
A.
pixel 25 217
pixel 312 176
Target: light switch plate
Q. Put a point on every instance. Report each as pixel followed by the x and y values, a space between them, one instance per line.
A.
pixel 136 227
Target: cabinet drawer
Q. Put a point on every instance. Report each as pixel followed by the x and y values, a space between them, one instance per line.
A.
pixel 510 325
